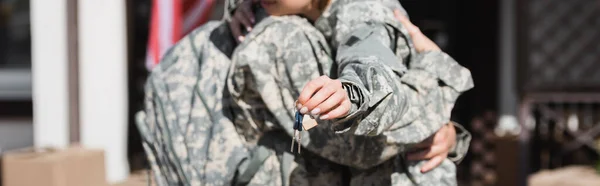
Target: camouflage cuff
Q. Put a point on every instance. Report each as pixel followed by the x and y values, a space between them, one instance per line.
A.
pixel 445 68
pixel 357 99
pixel 463 139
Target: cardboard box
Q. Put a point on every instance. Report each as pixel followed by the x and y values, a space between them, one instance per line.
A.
pixel 74 166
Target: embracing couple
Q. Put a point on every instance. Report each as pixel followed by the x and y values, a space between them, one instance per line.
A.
pixel 220 106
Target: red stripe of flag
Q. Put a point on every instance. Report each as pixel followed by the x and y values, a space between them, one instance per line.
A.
pixel 154 48
pixel 180 12
pixel 177 19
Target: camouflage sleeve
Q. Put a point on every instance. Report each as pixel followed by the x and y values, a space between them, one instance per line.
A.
pixel 463 139
pixel 383 91
pixel 162 161
pixel 454 80
pixel 174 108
pixel 151 143
pixel 370 72
pixel 230 6
pixel 448 80
pixel 446 69
pixel 388 106
pixel 363 41
pixel 364 71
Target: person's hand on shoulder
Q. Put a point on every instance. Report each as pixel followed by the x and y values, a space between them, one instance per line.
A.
pixel 422 43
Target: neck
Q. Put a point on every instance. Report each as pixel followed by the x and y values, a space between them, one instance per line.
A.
pixel 314 11
pixel 313 14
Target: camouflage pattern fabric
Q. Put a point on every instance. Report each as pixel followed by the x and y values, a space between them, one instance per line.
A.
pixel 187 134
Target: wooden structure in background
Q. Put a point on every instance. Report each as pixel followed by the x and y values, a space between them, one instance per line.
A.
pixel 559 82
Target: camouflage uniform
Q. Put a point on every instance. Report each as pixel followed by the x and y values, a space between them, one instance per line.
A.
pixel 188 136
pixel 270 68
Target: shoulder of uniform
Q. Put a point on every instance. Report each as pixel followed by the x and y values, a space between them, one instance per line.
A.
pixel 276 28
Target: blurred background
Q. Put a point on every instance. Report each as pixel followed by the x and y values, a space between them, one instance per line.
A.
pixel 73 71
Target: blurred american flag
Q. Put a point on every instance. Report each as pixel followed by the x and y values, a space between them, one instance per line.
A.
pixel 170 21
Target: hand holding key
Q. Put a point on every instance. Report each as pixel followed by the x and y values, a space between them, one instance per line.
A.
pixel 324 98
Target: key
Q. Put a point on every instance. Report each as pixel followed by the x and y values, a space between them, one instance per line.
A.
pixel 293 140
pixel 297 136
pixel 300 127
pixel 294 134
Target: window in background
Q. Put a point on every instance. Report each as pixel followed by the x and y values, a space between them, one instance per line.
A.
pixel 15 37
pixel 15 59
